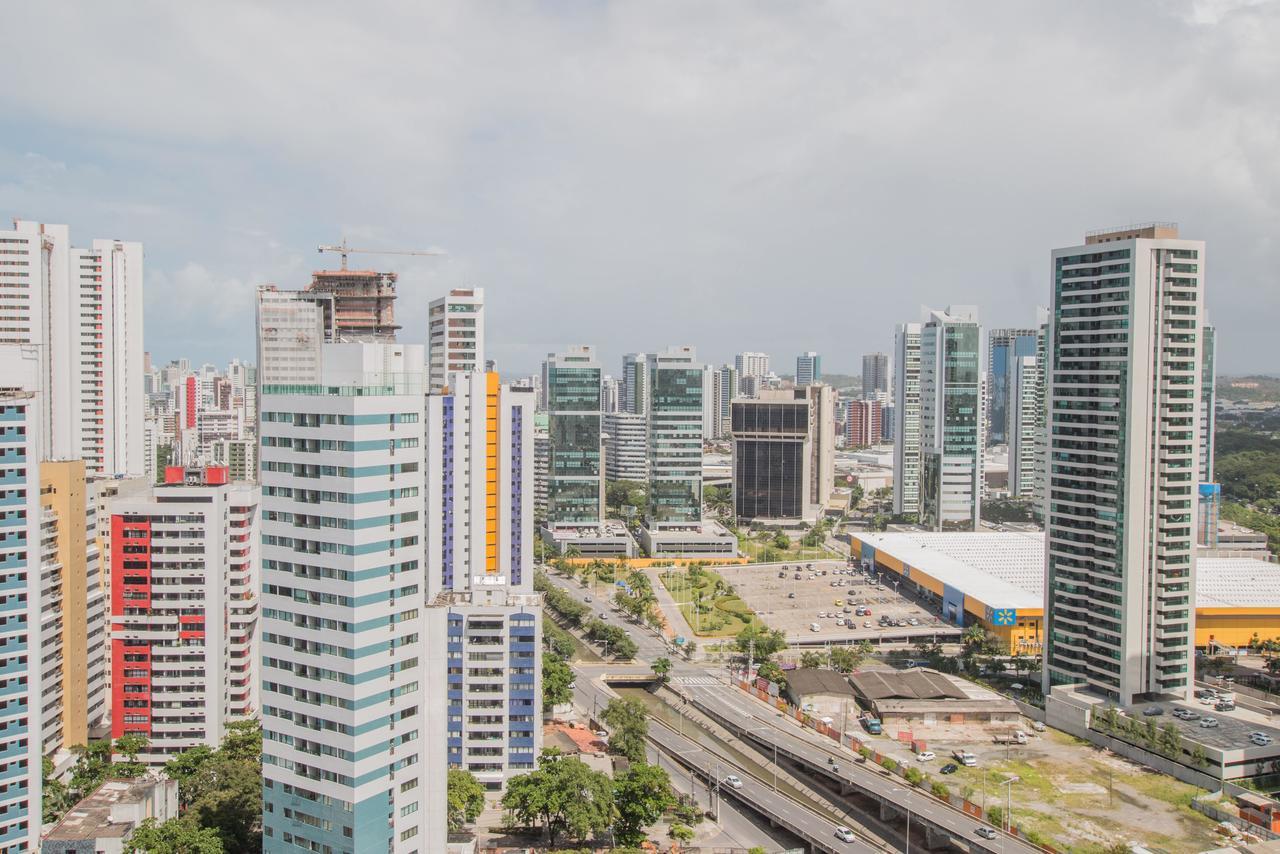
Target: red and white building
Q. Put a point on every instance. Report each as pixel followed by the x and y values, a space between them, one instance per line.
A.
pixel 862 423
pixel 184 610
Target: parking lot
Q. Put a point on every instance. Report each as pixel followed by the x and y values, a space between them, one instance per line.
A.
pixel 1233 731
pixel 796 604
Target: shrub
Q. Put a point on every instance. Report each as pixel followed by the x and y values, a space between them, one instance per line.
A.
pixel 889 764
pixel 940 790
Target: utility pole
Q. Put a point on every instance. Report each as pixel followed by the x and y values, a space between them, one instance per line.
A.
pixel 751 656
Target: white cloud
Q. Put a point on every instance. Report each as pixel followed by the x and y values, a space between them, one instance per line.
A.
pixel 734 175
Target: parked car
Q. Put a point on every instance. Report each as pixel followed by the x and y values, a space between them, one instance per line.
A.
pixel 1208 723
pixel 844 834
pixel 867 624
pixel 949 768
pixel 733 781
pixel 791 595
pixel 1224 706
pixel 1260 739
pixel 1152 711
pixel 913 622
pixel 1038 726
pixel 925 756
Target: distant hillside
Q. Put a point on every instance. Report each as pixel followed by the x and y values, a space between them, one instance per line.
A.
pixel 1258 388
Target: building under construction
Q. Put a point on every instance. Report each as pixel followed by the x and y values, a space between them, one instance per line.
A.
pixel 363 303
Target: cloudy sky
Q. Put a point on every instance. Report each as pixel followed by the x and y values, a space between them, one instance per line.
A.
pixel 737 176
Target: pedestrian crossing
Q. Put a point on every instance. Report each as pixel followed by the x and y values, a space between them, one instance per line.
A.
pixel 699 681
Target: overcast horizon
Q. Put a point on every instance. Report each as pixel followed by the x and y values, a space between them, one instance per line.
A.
pixel 735 176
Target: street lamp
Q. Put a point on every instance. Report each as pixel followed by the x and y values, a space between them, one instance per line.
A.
pixel 907 807
pixel 1008 802
pixel 774 742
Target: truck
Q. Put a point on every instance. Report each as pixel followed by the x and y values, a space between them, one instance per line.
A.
pixel 1016 736
pixel 871 724
pixel 965 758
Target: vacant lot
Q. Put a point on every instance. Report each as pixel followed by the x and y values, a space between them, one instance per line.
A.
pixel 1075 796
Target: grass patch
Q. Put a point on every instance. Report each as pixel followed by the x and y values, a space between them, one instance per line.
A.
pixel 754 550
pixel 719 612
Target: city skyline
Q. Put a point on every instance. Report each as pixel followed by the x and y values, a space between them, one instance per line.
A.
pixel 750 180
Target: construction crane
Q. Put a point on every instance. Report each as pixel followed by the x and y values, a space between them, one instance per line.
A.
pixel 343 249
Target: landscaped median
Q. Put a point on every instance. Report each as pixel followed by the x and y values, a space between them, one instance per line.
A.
pixel 708 602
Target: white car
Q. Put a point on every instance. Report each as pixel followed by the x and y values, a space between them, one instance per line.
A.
pixel 733 781
pixel 986 833
pixel 925 756
pixel 1207 701
pixel 1208 723
pixel 844 834
pixel 1260 738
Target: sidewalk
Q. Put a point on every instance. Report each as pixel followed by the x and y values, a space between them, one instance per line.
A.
pixel 675 623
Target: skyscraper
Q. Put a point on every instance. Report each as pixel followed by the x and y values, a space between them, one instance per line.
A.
pixel 455 335
pixel 481 604
pixel 1124 371
pixel 634 387
pixel 783 453
pixel 808 368
pixel 1208 400
pixel 79 312
pixel 353 683
pixel 626 446
pixel 951 446
pixel 610 391
pixel 1025 400
pixel 184 618
pixel 364 303
pixel 725 390
pixel 675 439
pixel 752 365
pixel 292 327
pixel 21 637
pixel 906 415
pixel 875 374
pixel 862 424
pixel 575 484
pixel 1004 348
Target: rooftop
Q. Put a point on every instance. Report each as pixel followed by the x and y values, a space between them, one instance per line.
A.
pixel 92 817
pixel 813 680
pixel 1005 569
pixel 915 684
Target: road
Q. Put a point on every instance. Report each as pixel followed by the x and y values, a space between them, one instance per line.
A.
pixel 731 705
pixel 817 831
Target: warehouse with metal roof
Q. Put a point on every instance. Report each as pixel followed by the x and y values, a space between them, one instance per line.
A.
pixel 996 578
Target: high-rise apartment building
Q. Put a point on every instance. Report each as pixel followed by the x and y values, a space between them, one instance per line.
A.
pixel 751 365
pixel 610 394
pixel 626 446
pixel 724 391
pixel 951 423
pixel 21 636
pixel 1026 398
pixel 74 660
pixel 634 387
pixel 455 335
pixel 675 439
pixel 79 314
pixel 783 454
pixel 862 423
pixel 906 420
pixel 875 374
pixel 364 303
pixel 184 611
pixel 541 465
pixel 353 696
pixel 292 327
pixel 1124 372
pixel 481 604
pixel 808 368
pixel 575 482
pixel 1004 348
pixel 1208 402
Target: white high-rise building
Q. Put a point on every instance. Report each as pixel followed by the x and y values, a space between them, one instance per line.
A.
pixel 292 327
pixel 22 603
pixel 1025 399
pixel 752 365
pixel 353 699
pixel 79 311
pixel 725 389
pixel 634 384
pixel 906 420
pixel 610 391
pixel 455 335
pixel 1124 388
pixel 482 608
pixel 626 446
pixel 184 610
pixel 951 422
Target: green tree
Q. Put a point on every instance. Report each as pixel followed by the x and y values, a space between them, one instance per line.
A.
pixel 781 541
pixel 641 794
pixel 769 670
pixel 226 795
pixel 662 669
pixel 812 658
pixel 243 742
pixel 184 767
pixel 56 799
pixel 563 796
pixel 1198 757
pixel 556 678
pixel 684 833
pixel 465 798
pixel 1171 741
pixel 628 727
pixel 759 641
pixel 175 836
